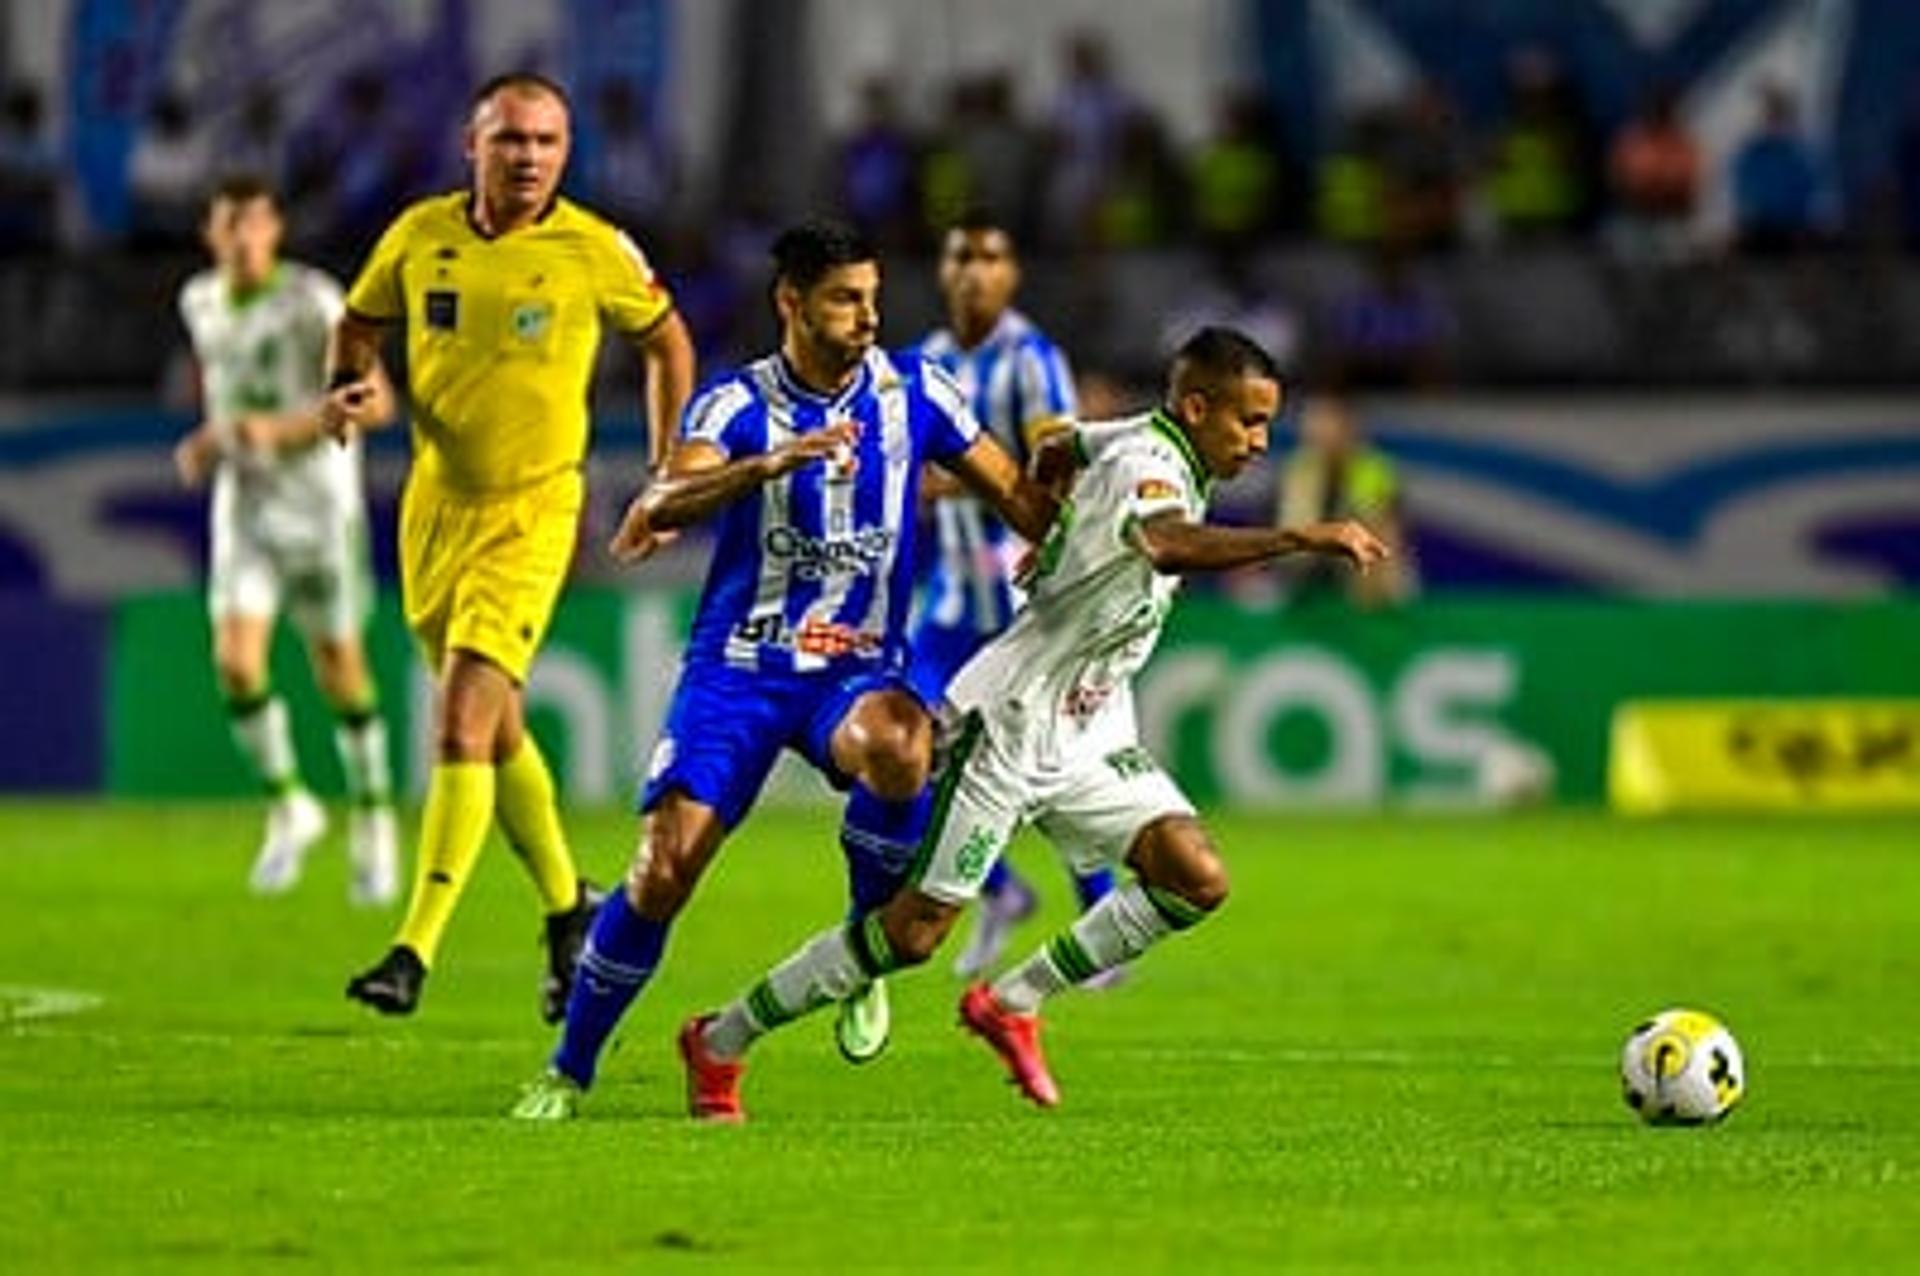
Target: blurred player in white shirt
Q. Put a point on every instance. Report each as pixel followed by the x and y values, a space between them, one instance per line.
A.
pixel 288 529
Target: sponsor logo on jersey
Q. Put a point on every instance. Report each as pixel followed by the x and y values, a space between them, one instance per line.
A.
pixel 530 320
pixel 1155 489
pixel 812 636
pixel 818 558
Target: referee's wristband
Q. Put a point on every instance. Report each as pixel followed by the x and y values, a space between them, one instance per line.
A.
pixel 342 378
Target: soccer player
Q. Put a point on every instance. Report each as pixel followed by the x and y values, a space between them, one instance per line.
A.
pixel 1021 390
pixel 289 528
pixel 503 289
pixel 1041 728
pixel 811 459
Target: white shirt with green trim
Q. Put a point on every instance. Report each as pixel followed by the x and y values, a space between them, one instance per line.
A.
pixel 1055 687
pixel 266 353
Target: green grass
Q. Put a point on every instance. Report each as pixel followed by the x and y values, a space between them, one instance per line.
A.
pixel 1394 1049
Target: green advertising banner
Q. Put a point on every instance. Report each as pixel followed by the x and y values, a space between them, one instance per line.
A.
pixel 1446 702
pixel 595 698
pixel 1465 702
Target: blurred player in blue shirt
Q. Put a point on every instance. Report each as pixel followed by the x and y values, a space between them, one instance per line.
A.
pixel 1021 389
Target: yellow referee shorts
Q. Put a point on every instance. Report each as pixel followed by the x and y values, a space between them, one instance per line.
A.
pixel 482 573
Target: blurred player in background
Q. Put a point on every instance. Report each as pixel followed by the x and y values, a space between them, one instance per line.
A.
pixel 288 528
pixel 810 458
pixel 1040 728
pixel 503 289
pixel 1021 390
pixel 1335 473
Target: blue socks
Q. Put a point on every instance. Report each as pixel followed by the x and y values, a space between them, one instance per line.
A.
pixel 880 839
pixel 622 950
pixel 1094 887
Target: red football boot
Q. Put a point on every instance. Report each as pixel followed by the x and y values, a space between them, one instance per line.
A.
pixel 713 1085
pixel 1015 1038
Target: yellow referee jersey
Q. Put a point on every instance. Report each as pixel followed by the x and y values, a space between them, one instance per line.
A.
pixel 502 333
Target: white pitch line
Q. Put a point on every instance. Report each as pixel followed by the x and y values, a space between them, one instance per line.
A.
pixel 18 1004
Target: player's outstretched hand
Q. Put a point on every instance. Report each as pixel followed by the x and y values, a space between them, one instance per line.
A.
pixel 1056 462
pixel 834 441
pixel 637 539
pixel 1346 539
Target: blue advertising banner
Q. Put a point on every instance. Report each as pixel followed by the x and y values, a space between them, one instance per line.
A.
pixel 54 655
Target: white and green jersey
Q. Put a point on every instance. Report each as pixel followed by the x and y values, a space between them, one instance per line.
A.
pixel 266 353
pixel 1058 680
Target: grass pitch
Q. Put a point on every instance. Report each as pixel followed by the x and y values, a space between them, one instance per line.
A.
pixel 1395 1048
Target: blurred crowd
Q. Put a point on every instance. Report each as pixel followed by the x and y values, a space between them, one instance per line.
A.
pixel 1090 174
pixel 1094 168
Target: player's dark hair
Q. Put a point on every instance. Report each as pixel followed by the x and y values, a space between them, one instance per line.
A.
pixel 525 82
pixel 979 219
pixel 243 188
pixel 1214 356
pixel 803 254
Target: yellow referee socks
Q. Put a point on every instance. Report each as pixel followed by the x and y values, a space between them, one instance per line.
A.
pixel 530 816
pixel 453 828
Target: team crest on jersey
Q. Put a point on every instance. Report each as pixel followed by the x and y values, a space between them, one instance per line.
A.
pixel 1155 489
pixel 843 466
pixel 530 320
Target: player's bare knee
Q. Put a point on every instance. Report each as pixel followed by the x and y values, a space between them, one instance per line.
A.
pixel 463 738
pixel 340 670
pixel 239 679
pixel 889 738
pixel 1206 887
pixel 897 764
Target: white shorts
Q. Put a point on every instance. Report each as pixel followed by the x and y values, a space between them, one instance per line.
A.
pixel 322 581
pixel 1091 809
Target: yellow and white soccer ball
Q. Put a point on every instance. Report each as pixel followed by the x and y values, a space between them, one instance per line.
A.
pixel 1682 1067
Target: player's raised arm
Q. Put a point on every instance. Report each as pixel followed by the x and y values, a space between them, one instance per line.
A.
pixel 1175 545
pixel 700 481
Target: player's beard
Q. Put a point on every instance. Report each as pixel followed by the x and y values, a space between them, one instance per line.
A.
pixel 835 355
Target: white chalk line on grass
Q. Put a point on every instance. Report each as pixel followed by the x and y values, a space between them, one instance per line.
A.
pixel 19 1003
pixel 1283 1056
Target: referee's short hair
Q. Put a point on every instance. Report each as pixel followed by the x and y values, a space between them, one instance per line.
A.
pixel 522 81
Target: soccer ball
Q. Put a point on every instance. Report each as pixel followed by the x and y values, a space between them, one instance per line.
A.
pixel 1682 1067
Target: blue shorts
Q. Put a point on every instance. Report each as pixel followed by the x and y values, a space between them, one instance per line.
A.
pixel 938 652
pixel 726 727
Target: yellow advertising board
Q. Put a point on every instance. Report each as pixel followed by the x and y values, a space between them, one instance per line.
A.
pixel 1764 755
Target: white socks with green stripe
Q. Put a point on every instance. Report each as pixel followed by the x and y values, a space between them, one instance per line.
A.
pixel 831 967
pixel 1124 924
pixel 361 738
pixel 260 728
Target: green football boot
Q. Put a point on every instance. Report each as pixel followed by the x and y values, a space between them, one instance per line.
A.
pixel 551 1096
pixel 865 1023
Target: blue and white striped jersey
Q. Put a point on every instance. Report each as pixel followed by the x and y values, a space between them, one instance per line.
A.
pixel 816 568
pixel 1014 379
